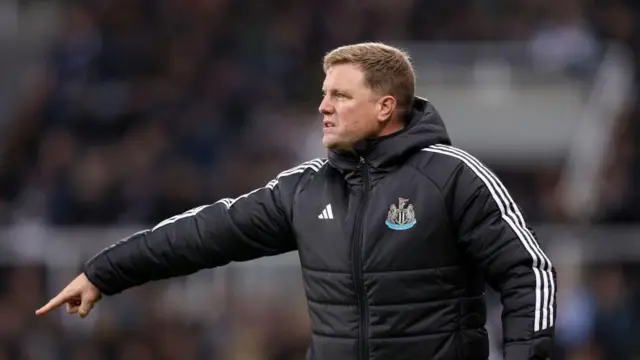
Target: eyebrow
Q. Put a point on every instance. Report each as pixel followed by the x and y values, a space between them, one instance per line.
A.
pixel 334 91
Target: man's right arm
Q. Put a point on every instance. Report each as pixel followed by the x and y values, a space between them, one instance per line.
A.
pixel 251 226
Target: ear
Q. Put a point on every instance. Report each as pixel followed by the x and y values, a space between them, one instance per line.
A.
pixel 386 107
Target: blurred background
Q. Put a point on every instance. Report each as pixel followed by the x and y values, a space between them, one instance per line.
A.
pixel 116 114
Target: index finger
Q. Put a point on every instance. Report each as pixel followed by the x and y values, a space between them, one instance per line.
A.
pixel 52 304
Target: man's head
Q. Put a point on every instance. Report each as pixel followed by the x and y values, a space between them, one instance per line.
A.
pixel 367 90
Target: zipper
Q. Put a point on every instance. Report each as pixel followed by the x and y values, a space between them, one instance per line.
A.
pixel 363 336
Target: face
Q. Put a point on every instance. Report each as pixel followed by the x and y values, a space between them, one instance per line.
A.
pixel 351 110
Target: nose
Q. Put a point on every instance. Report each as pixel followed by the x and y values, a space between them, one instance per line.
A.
pixel 325 106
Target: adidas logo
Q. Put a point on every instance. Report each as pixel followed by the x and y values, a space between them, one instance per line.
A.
pixel 327 213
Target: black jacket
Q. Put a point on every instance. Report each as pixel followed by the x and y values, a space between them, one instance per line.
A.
pixel 396 244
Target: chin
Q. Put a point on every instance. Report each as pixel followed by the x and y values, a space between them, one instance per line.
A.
pixel 330 145
pixel 334 145
pixel 330 142
pixel 335 142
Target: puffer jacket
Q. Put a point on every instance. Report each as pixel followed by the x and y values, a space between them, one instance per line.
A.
pixel 396 241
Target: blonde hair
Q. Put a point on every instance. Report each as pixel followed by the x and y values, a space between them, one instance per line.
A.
pixel 387 70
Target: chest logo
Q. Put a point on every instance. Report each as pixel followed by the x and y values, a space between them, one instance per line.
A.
pixel 402 217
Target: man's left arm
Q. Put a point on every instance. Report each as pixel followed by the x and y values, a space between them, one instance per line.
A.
pixel 493 232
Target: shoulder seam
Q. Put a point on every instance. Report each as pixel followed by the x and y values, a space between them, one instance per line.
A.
pixel 460 164
pixel 315 165
pixel 442 195
pixel 430 179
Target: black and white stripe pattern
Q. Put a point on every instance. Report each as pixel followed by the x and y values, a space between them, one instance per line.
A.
pixel 315 165
pixel 545 286
pixel 115 245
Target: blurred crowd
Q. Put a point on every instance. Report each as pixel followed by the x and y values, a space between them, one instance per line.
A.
pixel 147 108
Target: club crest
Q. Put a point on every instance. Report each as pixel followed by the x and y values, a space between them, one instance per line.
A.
pixel 402 217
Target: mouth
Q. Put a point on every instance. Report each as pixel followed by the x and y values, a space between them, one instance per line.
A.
pixel 328 124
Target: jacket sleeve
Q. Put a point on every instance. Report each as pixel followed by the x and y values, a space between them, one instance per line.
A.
pixel 493 232
pixel 251 226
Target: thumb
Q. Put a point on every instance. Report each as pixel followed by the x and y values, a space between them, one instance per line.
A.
pixel 87 304
pixel 85 307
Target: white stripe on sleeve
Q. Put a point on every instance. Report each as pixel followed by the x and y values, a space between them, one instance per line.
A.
pixel 545 286
pixel 315 165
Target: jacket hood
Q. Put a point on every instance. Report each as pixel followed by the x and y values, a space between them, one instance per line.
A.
pixel 424 128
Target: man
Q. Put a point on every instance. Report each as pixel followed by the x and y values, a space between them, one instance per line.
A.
pixel 397 232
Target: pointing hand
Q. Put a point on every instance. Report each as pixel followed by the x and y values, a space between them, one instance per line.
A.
pixel 79 296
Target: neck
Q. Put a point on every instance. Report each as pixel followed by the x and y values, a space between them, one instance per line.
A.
pixel 394 125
